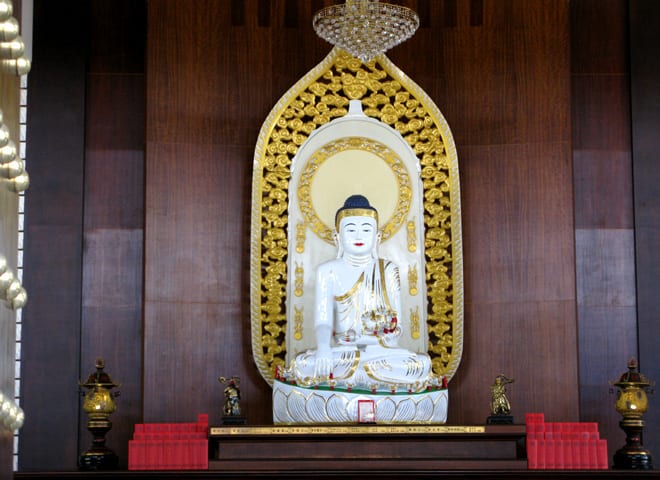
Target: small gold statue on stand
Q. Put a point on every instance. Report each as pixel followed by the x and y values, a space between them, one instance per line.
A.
pixel 231 413
pixel 99 403
pixel 499 404
pixel 631 403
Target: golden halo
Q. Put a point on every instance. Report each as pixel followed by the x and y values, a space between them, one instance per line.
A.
pixel 348 166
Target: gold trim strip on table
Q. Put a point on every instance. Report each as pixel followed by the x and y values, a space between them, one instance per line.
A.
pixel 348 430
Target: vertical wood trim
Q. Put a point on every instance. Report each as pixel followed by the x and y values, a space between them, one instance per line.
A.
pixel 603 207
pixel 476 13
pixel 114 210
pixel 53 238
pixel 645 99
pixel 450 13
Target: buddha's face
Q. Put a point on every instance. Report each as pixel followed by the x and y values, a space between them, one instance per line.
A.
pixel 357 235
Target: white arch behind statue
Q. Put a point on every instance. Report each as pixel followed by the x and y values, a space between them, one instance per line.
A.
pixel 355 154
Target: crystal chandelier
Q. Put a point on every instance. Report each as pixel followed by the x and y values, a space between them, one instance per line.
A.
pixel 365 28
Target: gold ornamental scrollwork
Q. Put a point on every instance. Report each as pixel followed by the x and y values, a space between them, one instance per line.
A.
pixel 411 235
pixel 388 95
pixel 298 323
pixel 299 280
pixel 300 237
pixel 414 323
pixel 412 280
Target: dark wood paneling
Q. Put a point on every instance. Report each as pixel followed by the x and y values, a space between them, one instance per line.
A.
pixel 506 80
pixel 196 241
pixel 599 37
pixel 518 196
pixel 530 342
pixel 603 197
pixel 605 268
pixel 207 80
pixel 608 339
pixel 289 64
pixel 87 189
pixel 189 346
pixel 601 112
pixel 519 281
pixel 605 271
pixel 197 323
pixel 430 76
pixel 645 100
pixel 603 206
pixel 517 220
pixel 114 210
pixel 114 186
pixel 117 36
pixel 112 317
pixel 53 238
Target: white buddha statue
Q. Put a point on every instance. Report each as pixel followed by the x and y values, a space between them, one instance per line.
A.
pixel 356 317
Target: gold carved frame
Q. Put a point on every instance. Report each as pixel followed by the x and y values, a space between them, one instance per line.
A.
pixel 388 95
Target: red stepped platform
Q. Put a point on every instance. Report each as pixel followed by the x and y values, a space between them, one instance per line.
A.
pixel 170 446
pixel 564 445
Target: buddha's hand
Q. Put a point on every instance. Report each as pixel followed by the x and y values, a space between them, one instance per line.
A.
pixel 391 339
pixel 390 335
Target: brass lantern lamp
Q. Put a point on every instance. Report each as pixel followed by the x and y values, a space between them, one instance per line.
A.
pixel 631 403
pixel 99 403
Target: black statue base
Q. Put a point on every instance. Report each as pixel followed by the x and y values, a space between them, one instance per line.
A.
pixel 499 420
pixel 98 458
pixel 627 459
pixel 234 420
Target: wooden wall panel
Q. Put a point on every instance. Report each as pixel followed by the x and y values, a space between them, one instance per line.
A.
pixel 515 212
pixel 507 98
pixel 84 224
pixel 505 78
pixel 604 234
pixel 206 78
pixel 53 239
pixel 291 21
pixel 520 261
pixel 519 280
pixel 114 210
pixel 645 108
pixel 196 290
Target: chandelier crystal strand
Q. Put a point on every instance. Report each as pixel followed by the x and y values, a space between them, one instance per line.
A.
pixel 365 28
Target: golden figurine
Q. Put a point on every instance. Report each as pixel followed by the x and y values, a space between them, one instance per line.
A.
pixel 232 407
pixel 499 404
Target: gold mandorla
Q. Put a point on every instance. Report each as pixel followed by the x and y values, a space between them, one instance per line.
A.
pixel 319 97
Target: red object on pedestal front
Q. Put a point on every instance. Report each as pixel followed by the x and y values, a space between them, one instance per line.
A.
pixel 170 446
pixel 564 445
